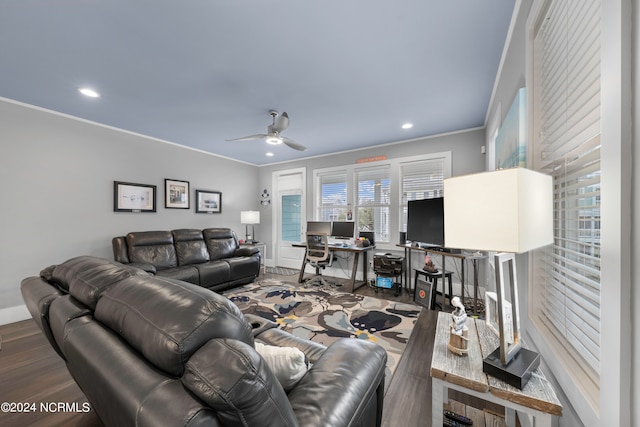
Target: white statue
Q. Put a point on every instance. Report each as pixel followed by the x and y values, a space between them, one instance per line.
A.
pixel 458 317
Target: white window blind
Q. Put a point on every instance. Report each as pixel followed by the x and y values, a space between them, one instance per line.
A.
pixel 566 120
pixel 419 180
pixel 373 187
pixel 333 196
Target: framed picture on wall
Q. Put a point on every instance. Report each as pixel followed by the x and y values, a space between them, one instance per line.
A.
pixel 511 146
pixel 176 194
pixel 130 197
pixel 208 201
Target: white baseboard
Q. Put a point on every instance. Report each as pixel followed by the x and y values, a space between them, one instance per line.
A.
pixel 14 314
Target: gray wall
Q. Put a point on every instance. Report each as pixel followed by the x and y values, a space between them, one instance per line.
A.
pixel 57 173
pixel 466 157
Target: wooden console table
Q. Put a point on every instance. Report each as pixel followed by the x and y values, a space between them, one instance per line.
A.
pixel 464 373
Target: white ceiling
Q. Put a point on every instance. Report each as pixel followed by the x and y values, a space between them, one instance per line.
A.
pixel 196 72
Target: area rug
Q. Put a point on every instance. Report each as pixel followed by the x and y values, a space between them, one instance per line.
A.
pixel 325 315
pixel 282 271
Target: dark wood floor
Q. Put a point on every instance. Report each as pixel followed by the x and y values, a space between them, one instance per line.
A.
pixel 31 372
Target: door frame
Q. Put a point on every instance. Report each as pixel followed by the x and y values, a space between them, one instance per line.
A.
pixel 275 218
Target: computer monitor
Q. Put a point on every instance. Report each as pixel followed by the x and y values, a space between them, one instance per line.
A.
pixel 343 229
pixel 425 221
pixel 319 227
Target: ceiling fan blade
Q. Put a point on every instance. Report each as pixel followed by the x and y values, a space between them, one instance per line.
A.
pixel 249 138
pixel 281 123
pixel 291 143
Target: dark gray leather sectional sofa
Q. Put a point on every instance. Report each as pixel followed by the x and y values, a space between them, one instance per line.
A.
pixel 211 258
pixel 154 351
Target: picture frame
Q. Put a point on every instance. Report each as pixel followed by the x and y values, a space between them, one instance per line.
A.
pixel 176 194
pixel 492 315
pixel 132 197
pixel 209 202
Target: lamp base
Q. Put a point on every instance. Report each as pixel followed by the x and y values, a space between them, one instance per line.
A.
pixel 517 372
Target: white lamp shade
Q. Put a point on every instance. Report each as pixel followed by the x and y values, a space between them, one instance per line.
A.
pixel 249 217
pixel 509 210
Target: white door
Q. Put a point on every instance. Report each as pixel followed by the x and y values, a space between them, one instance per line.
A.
pixel 290 216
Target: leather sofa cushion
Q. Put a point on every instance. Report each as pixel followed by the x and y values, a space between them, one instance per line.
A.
pixel 221 242
pixel 242 390
pixel 190 247
pixel 187 273
pixel 243 267
pixel 214 273
pixel 86 277
pixel 152 247
pixel 168 320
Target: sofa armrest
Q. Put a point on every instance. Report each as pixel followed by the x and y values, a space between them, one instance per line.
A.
pixel 120 250
pixel 246 251
pixel 280 338
pixel 345 386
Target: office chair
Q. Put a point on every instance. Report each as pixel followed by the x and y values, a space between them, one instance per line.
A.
pixel 318 256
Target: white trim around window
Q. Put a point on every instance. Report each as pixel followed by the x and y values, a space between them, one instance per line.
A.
pixel 345 195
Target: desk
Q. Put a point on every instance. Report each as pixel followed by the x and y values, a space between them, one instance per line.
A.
pixel 464 373
pixel 463 257
pixel 351 285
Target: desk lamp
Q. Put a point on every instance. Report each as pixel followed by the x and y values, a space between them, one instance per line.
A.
pixel 508 211
pixel 249 218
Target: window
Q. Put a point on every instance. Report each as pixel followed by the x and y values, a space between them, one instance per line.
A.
pixel 291 218
pixel 365 191
pixel 333 196
pixel 373 200
pixel 566 144
pixel 423 179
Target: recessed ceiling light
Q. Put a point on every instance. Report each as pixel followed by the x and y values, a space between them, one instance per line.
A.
pixel 89 92
pixel 269 154
pixel 407 126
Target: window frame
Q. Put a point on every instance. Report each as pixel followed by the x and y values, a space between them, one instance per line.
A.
pixel 395 206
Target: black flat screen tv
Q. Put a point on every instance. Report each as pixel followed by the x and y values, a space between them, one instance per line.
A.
pixel 343 229
pixel 425 221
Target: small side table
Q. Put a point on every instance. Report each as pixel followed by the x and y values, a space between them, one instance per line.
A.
pixel 263 251
pixel 464 374
pixel 433 277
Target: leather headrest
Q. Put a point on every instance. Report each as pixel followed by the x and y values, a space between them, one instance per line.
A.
pixel 168 320
pixel 86 277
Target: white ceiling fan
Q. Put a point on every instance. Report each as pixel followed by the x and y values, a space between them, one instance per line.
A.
pixel 273 132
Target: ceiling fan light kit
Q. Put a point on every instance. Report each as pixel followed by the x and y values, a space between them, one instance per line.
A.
pixel 274 140
pixel 280 123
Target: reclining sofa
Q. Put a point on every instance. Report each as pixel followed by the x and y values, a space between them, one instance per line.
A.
pixel 154 351
pixel 211 258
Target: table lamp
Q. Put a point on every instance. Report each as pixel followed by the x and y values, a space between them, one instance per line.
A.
pixel 508 211
pixel 249 218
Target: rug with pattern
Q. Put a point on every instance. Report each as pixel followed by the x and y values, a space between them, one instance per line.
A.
pixel 324 315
